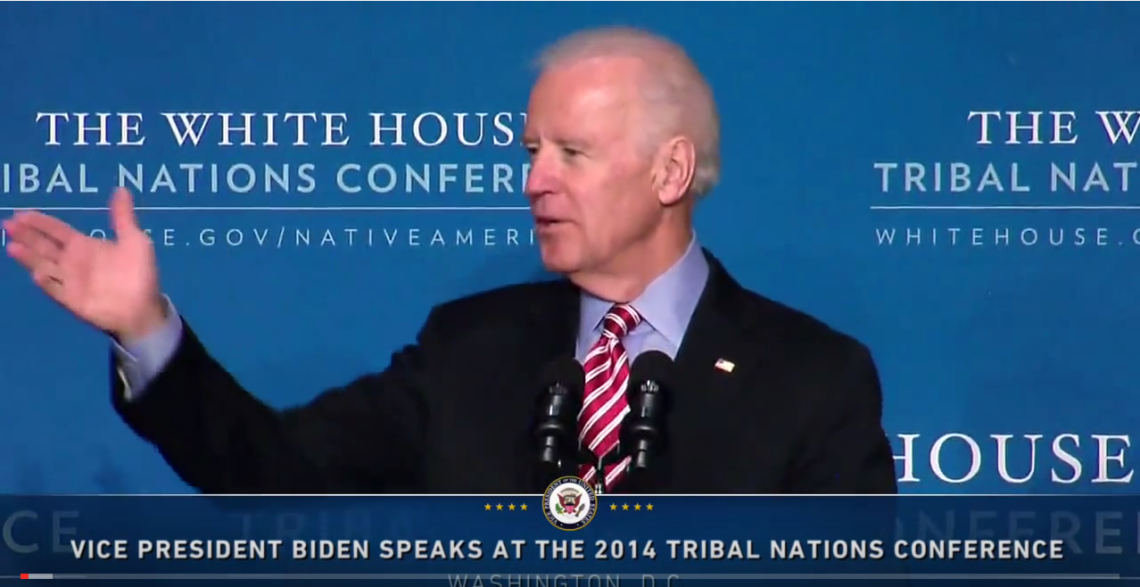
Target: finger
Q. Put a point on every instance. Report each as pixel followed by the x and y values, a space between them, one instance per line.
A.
pixel 38 244
pixel 21 254
pixel 48 276
pixel 49 226
pixel 27 257
pixel 123 218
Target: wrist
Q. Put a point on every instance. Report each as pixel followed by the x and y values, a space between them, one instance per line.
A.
pixel 148 321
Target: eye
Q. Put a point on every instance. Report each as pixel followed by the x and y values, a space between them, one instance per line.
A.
pixel 571 152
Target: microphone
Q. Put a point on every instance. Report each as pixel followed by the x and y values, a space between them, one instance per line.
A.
pixel 643 430
pixel 556 427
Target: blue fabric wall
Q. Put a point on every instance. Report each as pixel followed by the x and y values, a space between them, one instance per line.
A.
pixel 1002 337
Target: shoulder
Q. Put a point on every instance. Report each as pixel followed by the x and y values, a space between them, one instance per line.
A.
pixel 834 373
pixel 805 334
pixel 827 373
pixel 808 348
pixel 793 336
pixel 778 327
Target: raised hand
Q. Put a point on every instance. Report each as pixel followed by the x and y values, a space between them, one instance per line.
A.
pixel 112 285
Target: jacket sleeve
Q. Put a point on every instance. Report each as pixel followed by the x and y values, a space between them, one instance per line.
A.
pixel 363 437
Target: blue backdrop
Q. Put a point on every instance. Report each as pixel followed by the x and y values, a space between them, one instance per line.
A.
pixel 1001 309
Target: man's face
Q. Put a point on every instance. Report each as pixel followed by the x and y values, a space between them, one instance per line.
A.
pixel 590 185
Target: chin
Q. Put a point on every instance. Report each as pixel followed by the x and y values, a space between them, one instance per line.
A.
pixel 556 261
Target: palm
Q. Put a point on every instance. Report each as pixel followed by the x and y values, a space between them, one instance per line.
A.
pixel 104 282
pixel 110 284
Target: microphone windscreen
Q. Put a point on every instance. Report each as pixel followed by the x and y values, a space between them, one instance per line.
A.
pixel 652 366
pixel 568 372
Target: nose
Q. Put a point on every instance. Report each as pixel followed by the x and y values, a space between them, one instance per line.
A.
pixel 542 176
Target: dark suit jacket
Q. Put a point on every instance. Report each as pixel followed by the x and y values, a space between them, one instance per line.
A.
pixel 799 413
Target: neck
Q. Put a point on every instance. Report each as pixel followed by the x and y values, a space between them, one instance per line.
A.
pixel 630 273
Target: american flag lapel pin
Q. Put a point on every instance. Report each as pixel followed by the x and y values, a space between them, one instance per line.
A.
pixel 724 365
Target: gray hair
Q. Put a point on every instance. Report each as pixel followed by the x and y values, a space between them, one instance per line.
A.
pixel 675 88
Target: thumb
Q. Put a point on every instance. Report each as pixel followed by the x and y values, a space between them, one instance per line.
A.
pixel 123 219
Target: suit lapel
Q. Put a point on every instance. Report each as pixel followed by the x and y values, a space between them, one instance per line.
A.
pixel 718 366
pixel 553 323
pixel 717 354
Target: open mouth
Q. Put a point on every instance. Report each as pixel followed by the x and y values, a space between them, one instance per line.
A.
pixel 542 222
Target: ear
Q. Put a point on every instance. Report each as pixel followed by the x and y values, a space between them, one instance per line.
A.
pixel 673 170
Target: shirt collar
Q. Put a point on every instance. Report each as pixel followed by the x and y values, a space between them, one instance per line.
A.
pixel 667 304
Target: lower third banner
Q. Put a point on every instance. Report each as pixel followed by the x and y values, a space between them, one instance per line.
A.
pixel 570 536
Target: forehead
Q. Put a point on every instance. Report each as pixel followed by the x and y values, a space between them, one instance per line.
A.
pixel 586 97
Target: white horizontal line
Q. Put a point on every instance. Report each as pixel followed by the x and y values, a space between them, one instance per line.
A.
pixel 278 209
pixel 615 497
pixel 978 208
pixel 520 575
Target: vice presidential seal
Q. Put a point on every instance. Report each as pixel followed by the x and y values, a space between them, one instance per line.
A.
pixel 570 503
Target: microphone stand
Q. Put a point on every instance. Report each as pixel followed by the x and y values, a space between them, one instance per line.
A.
pixel 599 476
pixel 600 464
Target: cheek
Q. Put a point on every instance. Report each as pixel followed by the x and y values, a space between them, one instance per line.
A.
pixel 612 209
pixel 612 221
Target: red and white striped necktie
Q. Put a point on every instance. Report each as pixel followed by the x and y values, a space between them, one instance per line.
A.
pixel 604 405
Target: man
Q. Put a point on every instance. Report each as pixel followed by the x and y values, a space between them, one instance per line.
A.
pixel 623 135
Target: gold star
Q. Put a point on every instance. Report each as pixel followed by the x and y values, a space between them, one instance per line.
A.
pixel 637 507
pixel 487 507
pixel 523 506
pixel 613 506
pixel 649 507
pixel 499 507
pixel 512 506
pixel 625 506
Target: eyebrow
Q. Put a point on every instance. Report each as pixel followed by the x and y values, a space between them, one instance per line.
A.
pixel 575 143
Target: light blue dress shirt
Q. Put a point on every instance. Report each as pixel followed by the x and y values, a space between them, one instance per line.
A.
pixel 666 307
pixel 143 359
